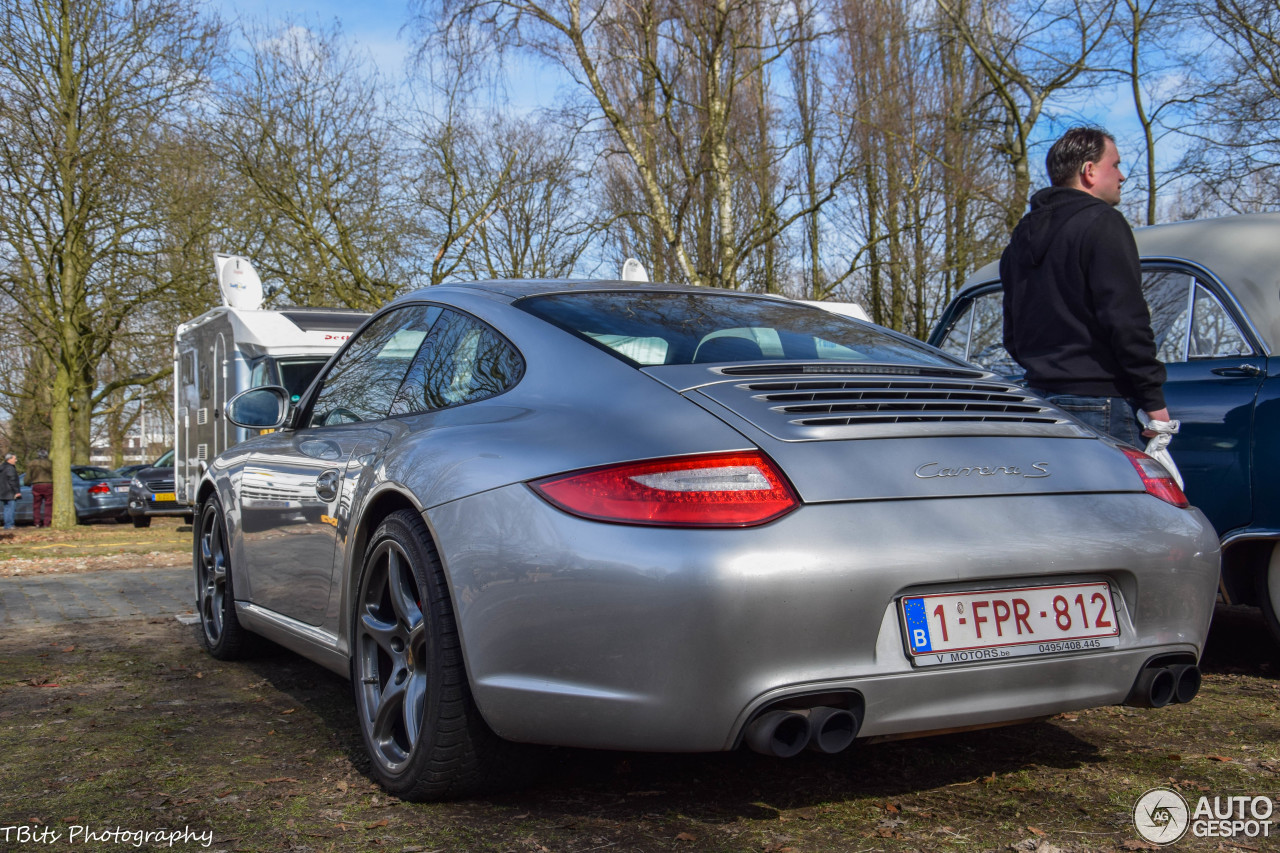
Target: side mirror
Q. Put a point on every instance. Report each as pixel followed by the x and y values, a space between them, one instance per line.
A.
pixel 266 407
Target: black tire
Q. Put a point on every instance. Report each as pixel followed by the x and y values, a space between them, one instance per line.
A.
pixel 142 521
pixel 220 628
pixel 421 728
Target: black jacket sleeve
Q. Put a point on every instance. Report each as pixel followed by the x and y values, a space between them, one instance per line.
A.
pixel 1115 282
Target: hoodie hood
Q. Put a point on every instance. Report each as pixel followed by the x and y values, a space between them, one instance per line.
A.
pixel 1051 209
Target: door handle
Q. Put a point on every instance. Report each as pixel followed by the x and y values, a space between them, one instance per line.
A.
pixel 1242 370
pixel 327 485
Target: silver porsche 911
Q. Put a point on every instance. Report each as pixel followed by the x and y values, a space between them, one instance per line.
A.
pixel 649 517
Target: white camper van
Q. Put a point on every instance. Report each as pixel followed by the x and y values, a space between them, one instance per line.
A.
pixel 237 346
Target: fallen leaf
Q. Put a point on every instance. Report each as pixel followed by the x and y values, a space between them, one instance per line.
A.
pixel 1034 831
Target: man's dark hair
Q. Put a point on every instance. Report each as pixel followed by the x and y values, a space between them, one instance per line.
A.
pixel 1079 145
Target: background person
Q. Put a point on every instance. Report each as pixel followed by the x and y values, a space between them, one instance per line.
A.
pixel 40 481
pixel 1074 314
pixel 10 488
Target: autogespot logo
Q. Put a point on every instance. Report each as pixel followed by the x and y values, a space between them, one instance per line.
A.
pixel 1161 816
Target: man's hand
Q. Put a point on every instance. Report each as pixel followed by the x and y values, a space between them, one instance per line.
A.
pixel 1157 415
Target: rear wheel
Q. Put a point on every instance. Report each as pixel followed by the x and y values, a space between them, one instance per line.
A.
pixel 220 629
pixel 418 720
pixel 1269 592
pixel 142 521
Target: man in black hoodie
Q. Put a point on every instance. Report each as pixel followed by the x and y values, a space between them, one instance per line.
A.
pixel 1074 314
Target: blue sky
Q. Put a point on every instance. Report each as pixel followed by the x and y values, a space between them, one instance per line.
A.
pixel 375 24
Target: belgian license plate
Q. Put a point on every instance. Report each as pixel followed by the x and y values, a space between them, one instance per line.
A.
pixel 998 624
pixel 163 496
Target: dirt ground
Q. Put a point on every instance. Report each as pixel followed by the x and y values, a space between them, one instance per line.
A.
pixel 118 728
pixel 29 550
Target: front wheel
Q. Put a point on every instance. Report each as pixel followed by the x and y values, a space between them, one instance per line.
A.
pixel 220 629
pixel 418 720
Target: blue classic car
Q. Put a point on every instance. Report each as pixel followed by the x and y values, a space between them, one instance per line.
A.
pixel 1213 287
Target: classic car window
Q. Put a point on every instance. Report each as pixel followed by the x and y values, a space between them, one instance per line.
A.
pixel 363 382
pixel 955 340
pixel 709 327
pixel 1213 333
pixel 462 360
pixel 1168 294
pixel 977 335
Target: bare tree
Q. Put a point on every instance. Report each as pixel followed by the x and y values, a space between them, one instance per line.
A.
pixel 538 227
pixel 1028 53
pixel 665 78
pixel 305 128
pixel 1237 155
pixel 85 89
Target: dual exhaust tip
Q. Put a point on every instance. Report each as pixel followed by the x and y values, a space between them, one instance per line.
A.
pixel 1158 686
pixel 784 733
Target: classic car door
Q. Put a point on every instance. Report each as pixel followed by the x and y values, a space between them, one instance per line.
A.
pixel 1215 370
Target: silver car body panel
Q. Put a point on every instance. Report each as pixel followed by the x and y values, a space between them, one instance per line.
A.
pixel 595 635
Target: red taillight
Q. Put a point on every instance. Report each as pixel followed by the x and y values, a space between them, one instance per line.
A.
pixel 713 490
pixel 1156 478
pixel 100 489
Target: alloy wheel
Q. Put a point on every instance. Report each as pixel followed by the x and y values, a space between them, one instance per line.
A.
pixel 391 656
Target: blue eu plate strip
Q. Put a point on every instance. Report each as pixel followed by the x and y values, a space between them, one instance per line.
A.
pixel 917 625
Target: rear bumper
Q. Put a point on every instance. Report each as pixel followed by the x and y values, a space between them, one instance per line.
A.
pixel 608 636
pixel 139 508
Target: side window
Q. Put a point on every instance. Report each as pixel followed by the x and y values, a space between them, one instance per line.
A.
pixel 986 335
pixel 955 341
pixel 1168 294
pixel 977 335
pixel 261 374
pixel 1213 333
pixel 461 361
pixel 363 382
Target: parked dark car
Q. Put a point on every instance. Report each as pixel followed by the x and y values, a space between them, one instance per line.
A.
pixel 1214 293
pixel 98 494
pixel 151 493
pixel 129 470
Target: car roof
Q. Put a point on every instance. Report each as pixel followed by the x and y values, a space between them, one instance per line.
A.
pixel 1242 251
pixel 520 288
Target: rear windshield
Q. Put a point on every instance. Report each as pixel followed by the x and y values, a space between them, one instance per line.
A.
pixel 649 328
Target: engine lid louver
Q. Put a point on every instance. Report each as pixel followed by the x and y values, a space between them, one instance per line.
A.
pixel 877 405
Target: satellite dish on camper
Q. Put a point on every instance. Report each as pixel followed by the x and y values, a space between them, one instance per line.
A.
pixel 238 281
pixel 633 270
